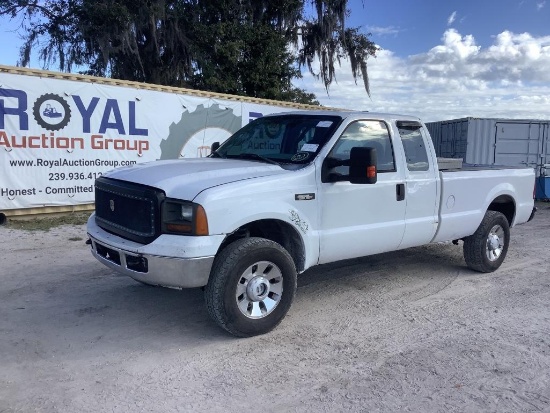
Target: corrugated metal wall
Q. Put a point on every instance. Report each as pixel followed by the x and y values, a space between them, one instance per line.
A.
pixel 450 137
pixel 481 142
pixel 493 141
pixel 521 143
pixel 510 142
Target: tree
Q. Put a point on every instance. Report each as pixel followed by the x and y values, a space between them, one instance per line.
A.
pixel 245 47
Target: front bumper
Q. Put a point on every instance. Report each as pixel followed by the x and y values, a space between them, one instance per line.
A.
pixel 144 264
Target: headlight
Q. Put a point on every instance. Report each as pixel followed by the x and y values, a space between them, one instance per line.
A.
pixel 186 213
pixel 180 217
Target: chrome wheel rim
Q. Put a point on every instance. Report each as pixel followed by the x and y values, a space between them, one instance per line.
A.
pixel 259 289
pixel 495 243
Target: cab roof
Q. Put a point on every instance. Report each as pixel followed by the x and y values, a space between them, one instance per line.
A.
pixel 351 114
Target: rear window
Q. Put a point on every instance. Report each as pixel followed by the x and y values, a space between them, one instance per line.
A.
pixel 413 143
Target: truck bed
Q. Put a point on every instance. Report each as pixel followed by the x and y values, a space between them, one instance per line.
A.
pixel 466 194
pixel 456 164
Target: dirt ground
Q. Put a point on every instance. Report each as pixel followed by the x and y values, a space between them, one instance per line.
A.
pixel 413 330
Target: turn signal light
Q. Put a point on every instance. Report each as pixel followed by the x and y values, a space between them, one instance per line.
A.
pixel 371 171
pixel 183 228
pixel 201 222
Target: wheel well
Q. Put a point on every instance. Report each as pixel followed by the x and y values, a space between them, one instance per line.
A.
pixel 504 204
pixel 274 230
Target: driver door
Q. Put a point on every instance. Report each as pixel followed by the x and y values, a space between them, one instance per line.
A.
pixel 361 219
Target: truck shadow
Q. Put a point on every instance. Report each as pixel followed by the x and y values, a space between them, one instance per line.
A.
pixel 428 261
pixel 91 309
pixel 180 316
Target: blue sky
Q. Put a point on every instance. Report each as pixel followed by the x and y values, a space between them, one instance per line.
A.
pixel 447 59
pixel 439 59
pixel 413 26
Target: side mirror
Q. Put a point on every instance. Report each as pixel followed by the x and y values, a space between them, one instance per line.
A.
pixel 362 167
pixel 214 147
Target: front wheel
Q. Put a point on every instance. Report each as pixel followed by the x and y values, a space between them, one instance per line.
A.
pixel 485 249
pixel 251 287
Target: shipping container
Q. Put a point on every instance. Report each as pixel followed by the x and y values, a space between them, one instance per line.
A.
pixel 509 142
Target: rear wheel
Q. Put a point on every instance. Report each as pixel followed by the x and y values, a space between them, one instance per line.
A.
pixel 486 248
pixel 251 287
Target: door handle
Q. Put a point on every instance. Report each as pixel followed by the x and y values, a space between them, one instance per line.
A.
pixel 400 192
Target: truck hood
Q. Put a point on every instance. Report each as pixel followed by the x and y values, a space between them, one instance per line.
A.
pixel 186 178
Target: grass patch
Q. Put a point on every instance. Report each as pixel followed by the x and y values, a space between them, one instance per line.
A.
pixel 46 223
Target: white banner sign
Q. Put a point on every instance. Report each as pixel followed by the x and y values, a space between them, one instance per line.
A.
pixel 57 136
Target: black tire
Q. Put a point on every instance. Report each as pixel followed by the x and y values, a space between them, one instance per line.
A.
pixel 242 265
pixel 485 249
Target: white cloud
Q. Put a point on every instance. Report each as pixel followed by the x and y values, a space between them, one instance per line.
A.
pixel 458 78
pixel 451 18
pixel 384 31
pixel 454 45
pixel 540 4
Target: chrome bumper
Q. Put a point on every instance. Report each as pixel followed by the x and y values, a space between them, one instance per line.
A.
pixel 153 269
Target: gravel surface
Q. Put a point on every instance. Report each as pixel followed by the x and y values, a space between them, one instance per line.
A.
pixel 413 330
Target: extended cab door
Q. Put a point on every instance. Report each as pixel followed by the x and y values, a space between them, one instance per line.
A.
pixel 361 219
pixel 422 184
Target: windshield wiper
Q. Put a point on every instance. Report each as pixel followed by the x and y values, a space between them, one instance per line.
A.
pixel 255 156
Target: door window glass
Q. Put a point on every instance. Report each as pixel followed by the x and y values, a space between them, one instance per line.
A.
pixel 415 149
pixel 365 133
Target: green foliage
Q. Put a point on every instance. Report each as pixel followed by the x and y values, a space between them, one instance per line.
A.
pixel 251 48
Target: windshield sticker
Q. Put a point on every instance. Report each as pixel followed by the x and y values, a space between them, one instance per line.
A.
pixel 300 156
pixel 309 147
pixel 324 124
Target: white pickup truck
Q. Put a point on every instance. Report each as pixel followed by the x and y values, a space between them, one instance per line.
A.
pixel 290 191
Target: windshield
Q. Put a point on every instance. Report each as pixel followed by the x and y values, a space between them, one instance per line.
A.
pixel 281 139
